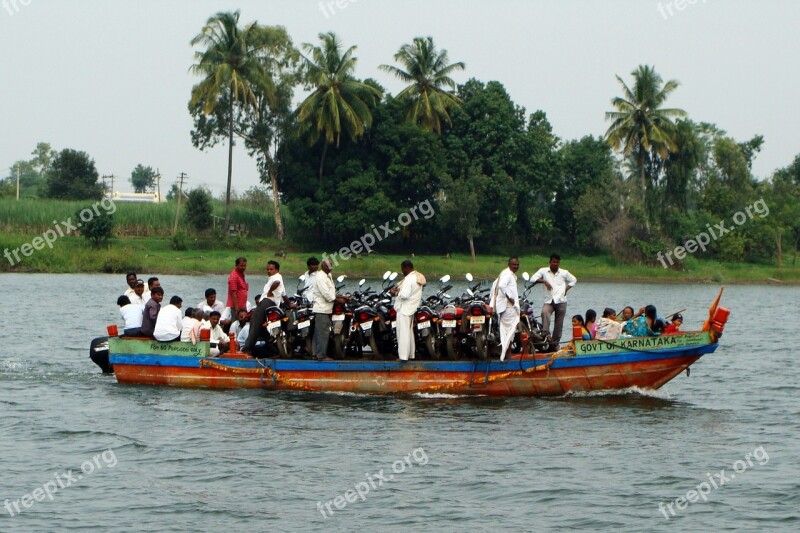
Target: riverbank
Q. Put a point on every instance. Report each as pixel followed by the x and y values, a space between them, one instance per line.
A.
pixel 155 255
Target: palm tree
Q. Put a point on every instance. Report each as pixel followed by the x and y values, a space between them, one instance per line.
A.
pixel 640 127
pixel 339 103
pixel 428 75
pixel 234 69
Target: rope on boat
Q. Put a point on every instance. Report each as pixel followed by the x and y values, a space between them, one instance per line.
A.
pixel 271 373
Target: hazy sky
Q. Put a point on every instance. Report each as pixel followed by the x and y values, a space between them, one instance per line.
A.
pixel 112 77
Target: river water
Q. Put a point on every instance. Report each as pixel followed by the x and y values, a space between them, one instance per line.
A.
pixel 99 455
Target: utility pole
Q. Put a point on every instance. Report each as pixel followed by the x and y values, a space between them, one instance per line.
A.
pixel 112 185
pixel 18 182
pixel 158 184
pixel 178 211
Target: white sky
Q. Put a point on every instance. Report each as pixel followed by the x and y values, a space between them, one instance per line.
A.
pixel 112 77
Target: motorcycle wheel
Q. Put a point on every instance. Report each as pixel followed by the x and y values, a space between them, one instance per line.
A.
pixel 280 342
pixel 451 347
pixel 373 345
pixel 308 345
pixel 338 345
pixel 480 345
pixel 524 329
pixel 430 347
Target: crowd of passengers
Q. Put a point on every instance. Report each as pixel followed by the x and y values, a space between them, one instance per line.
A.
pixel 144 316
pixel 645 323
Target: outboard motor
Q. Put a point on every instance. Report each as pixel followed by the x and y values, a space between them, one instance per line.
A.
pixel 98 353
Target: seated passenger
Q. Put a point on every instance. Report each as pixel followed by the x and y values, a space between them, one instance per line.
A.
pixel 590 322
pixel 577 320
pixel 132 316
pixel 608 329
pixel 645 323
pixel 137 297
pixel 168 324
pixel 219 341
pixel 151 310
pixel 211 303
pixel 239 324
pixel 675 326
pixel 190 332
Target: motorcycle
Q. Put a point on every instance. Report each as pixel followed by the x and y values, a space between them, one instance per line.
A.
pixel 386 332
pixel 426 320
pixel 539 340
pixel 363 318
pixel 476 321
pixel 300 326
pixel 340 321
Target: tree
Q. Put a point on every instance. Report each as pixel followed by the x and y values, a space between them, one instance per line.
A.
pixel 264 125
pixel 338 102
pixel 99 228
pixel 142 178
pixel 73 176
pixel 459 209
pixel 43 156
pixel 427 73
pixel 233 66
pixel 643 128
pixel 198 209
pixel 783 199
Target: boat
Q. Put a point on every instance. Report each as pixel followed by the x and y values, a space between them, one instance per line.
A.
pixel 579 367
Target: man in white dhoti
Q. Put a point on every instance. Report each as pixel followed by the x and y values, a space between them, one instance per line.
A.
pixel 505 301
pixel 408 295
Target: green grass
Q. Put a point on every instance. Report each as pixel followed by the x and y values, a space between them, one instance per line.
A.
pixel 143 244
pixel 73 254
pixel 35 216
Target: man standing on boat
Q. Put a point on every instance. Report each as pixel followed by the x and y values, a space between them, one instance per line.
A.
pixel 324 295
pixel 558 282
pixel 274 294
pixel 308 279
pixel 408 297
pixel 505 301
pixel 237 289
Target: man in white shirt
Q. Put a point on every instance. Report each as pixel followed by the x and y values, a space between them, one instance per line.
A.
pixel 132 316
pixel 219 341
pixel 274 294
pixel 169 321
pixel 211 303
pixel 408 297
pixel 558 282
pixel 130 278
pixel 324 296
pixel 505 301
pixel 190 330
pixel 138 293
pixel 308 281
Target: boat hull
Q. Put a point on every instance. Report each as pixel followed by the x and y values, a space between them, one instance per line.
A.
pixel 593 366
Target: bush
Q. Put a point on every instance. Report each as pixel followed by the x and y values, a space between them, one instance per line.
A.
pixel 99 228
pixel 178 242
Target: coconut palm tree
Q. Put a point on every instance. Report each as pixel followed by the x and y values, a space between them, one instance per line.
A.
pixel 428 74
pixel 338 102
pixel 640 127
pixel 234 69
